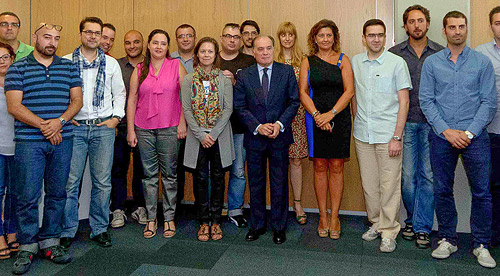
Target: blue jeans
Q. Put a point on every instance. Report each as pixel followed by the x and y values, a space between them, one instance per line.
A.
pixel 37 165
pixel 417 189
pixel 237 180
pixel 495 186
pixel 476 160
pixel 96 142
pixel 8 225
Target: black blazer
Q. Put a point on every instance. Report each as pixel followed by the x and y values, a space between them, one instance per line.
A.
pixel 281 104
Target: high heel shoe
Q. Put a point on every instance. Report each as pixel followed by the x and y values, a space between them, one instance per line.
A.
pixel 335 234
pixel 323 232
pixel 301 219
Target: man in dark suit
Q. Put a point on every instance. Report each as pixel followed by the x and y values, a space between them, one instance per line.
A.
pixel 266 99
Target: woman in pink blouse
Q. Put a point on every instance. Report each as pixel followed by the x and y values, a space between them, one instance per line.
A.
pixel 155 122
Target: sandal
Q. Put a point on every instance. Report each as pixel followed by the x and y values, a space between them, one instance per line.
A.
pixel 4 253
pixel 335 234
pixel 149 233
pixel 216 232
pixel 322 232
pixel 203 233
pixel 301 219
pixel 168 232
pixel 13 245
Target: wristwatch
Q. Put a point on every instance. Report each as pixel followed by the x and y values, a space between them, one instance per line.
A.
pixel 63 122
pixel 334 111
pixel 469 134
pixel 397 138
pixel 315 113
pixel 118 117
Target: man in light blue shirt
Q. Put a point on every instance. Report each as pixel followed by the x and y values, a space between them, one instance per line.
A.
pixel 185 36
pixel 458 97
pixel 380 107
pixel 492 51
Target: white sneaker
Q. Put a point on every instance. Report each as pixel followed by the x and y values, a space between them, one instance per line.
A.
pixel 371 234
pixel 118 218
pixel 483 257
pixel 140 215
pixel 387 245
pixel 444 250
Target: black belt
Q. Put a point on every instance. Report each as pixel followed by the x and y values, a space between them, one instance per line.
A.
pixel 93 121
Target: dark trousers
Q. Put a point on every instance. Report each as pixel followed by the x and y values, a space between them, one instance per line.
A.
pixel 476 160
pixel 495 187
pixel 181 172
pixel 119 172
pixel 209 212
pixel 278 176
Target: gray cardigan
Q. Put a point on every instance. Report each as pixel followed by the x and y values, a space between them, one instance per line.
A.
pixel 222 131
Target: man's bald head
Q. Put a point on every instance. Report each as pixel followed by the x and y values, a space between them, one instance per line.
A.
pixel 133 43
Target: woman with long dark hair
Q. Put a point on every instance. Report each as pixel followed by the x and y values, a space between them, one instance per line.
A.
pixel 155 122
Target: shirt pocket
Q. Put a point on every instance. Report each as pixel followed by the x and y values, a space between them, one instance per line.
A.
pixel 383 84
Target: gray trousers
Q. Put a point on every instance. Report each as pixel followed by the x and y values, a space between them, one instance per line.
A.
pixel 159 149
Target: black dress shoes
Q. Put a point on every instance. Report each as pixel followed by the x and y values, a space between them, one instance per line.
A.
pixel 253 235
pixel 65 243
pixel 103 239
pixel 279 237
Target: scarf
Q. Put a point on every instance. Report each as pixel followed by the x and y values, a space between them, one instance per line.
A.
pixel 100 63
pixel 205 103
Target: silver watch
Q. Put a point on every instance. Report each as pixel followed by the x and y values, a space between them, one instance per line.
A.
pixel 397 138
pixel 469 134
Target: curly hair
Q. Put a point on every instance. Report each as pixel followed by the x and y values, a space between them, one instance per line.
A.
pixel 311 37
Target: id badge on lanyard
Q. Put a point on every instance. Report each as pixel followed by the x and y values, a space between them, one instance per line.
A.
pixel 206 86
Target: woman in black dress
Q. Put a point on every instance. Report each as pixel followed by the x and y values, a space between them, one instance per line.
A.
pixel 326 85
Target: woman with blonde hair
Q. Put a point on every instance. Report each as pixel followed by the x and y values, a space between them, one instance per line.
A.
pixel 326 87
pixel 289 53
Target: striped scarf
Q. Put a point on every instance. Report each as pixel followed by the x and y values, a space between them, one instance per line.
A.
pixel 100 63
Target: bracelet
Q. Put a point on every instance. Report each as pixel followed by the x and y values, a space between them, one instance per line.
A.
pixel 315 113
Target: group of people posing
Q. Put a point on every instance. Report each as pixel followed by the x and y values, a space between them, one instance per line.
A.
pixel 414 109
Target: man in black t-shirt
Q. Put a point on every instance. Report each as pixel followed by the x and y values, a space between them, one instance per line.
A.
pixel 231 61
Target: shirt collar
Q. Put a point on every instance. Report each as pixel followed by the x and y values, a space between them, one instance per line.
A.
pixel 32 60
pixel 22 47
pixel 260 68
pixel 464 52
pixel 380 59
pixel 431 44
pixel 176 55
pixel 495 45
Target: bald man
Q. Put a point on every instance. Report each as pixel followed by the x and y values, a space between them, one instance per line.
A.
pixel 134 43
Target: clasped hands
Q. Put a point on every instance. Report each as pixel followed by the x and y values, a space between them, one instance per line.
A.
pixel 457 138
pixel 270 130
pixel 323 121
pixel 51 129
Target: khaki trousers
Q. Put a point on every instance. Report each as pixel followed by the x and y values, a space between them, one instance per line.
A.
pixel 381 180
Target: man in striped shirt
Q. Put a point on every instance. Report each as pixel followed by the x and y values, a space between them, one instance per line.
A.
pixel 43 93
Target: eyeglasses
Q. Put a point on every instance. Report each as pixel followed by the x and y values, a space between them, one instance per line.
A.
pixel 49 27
pixel 5 57
pixel 247 33
pixel 228 36
pixel 373 36
pixel 185 35
pixel 90 33
pixel 13 25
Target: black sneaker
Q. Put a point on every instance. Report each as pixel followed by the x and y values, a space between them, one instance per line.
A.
pixel 239 221
pixel 408 233
pixel 65 243
pixel 422 240
pixel 23 262
pixel 103 239
pixel 56 254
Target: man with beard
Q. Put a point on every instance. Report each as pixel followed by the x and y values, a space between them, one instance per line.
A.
pixel 231 61
pixel 43 93
pixel 458 97
pixel 491 50
pixel 133 43
pixel 10 24
pixel 94 132
pixel 108 37
pixel 380 107
pixel 249 30
pixel 416 185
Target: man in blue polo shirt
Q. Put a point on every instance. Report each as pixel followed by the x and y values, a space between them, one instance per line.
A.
pixel 43 93
pixel 458 97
